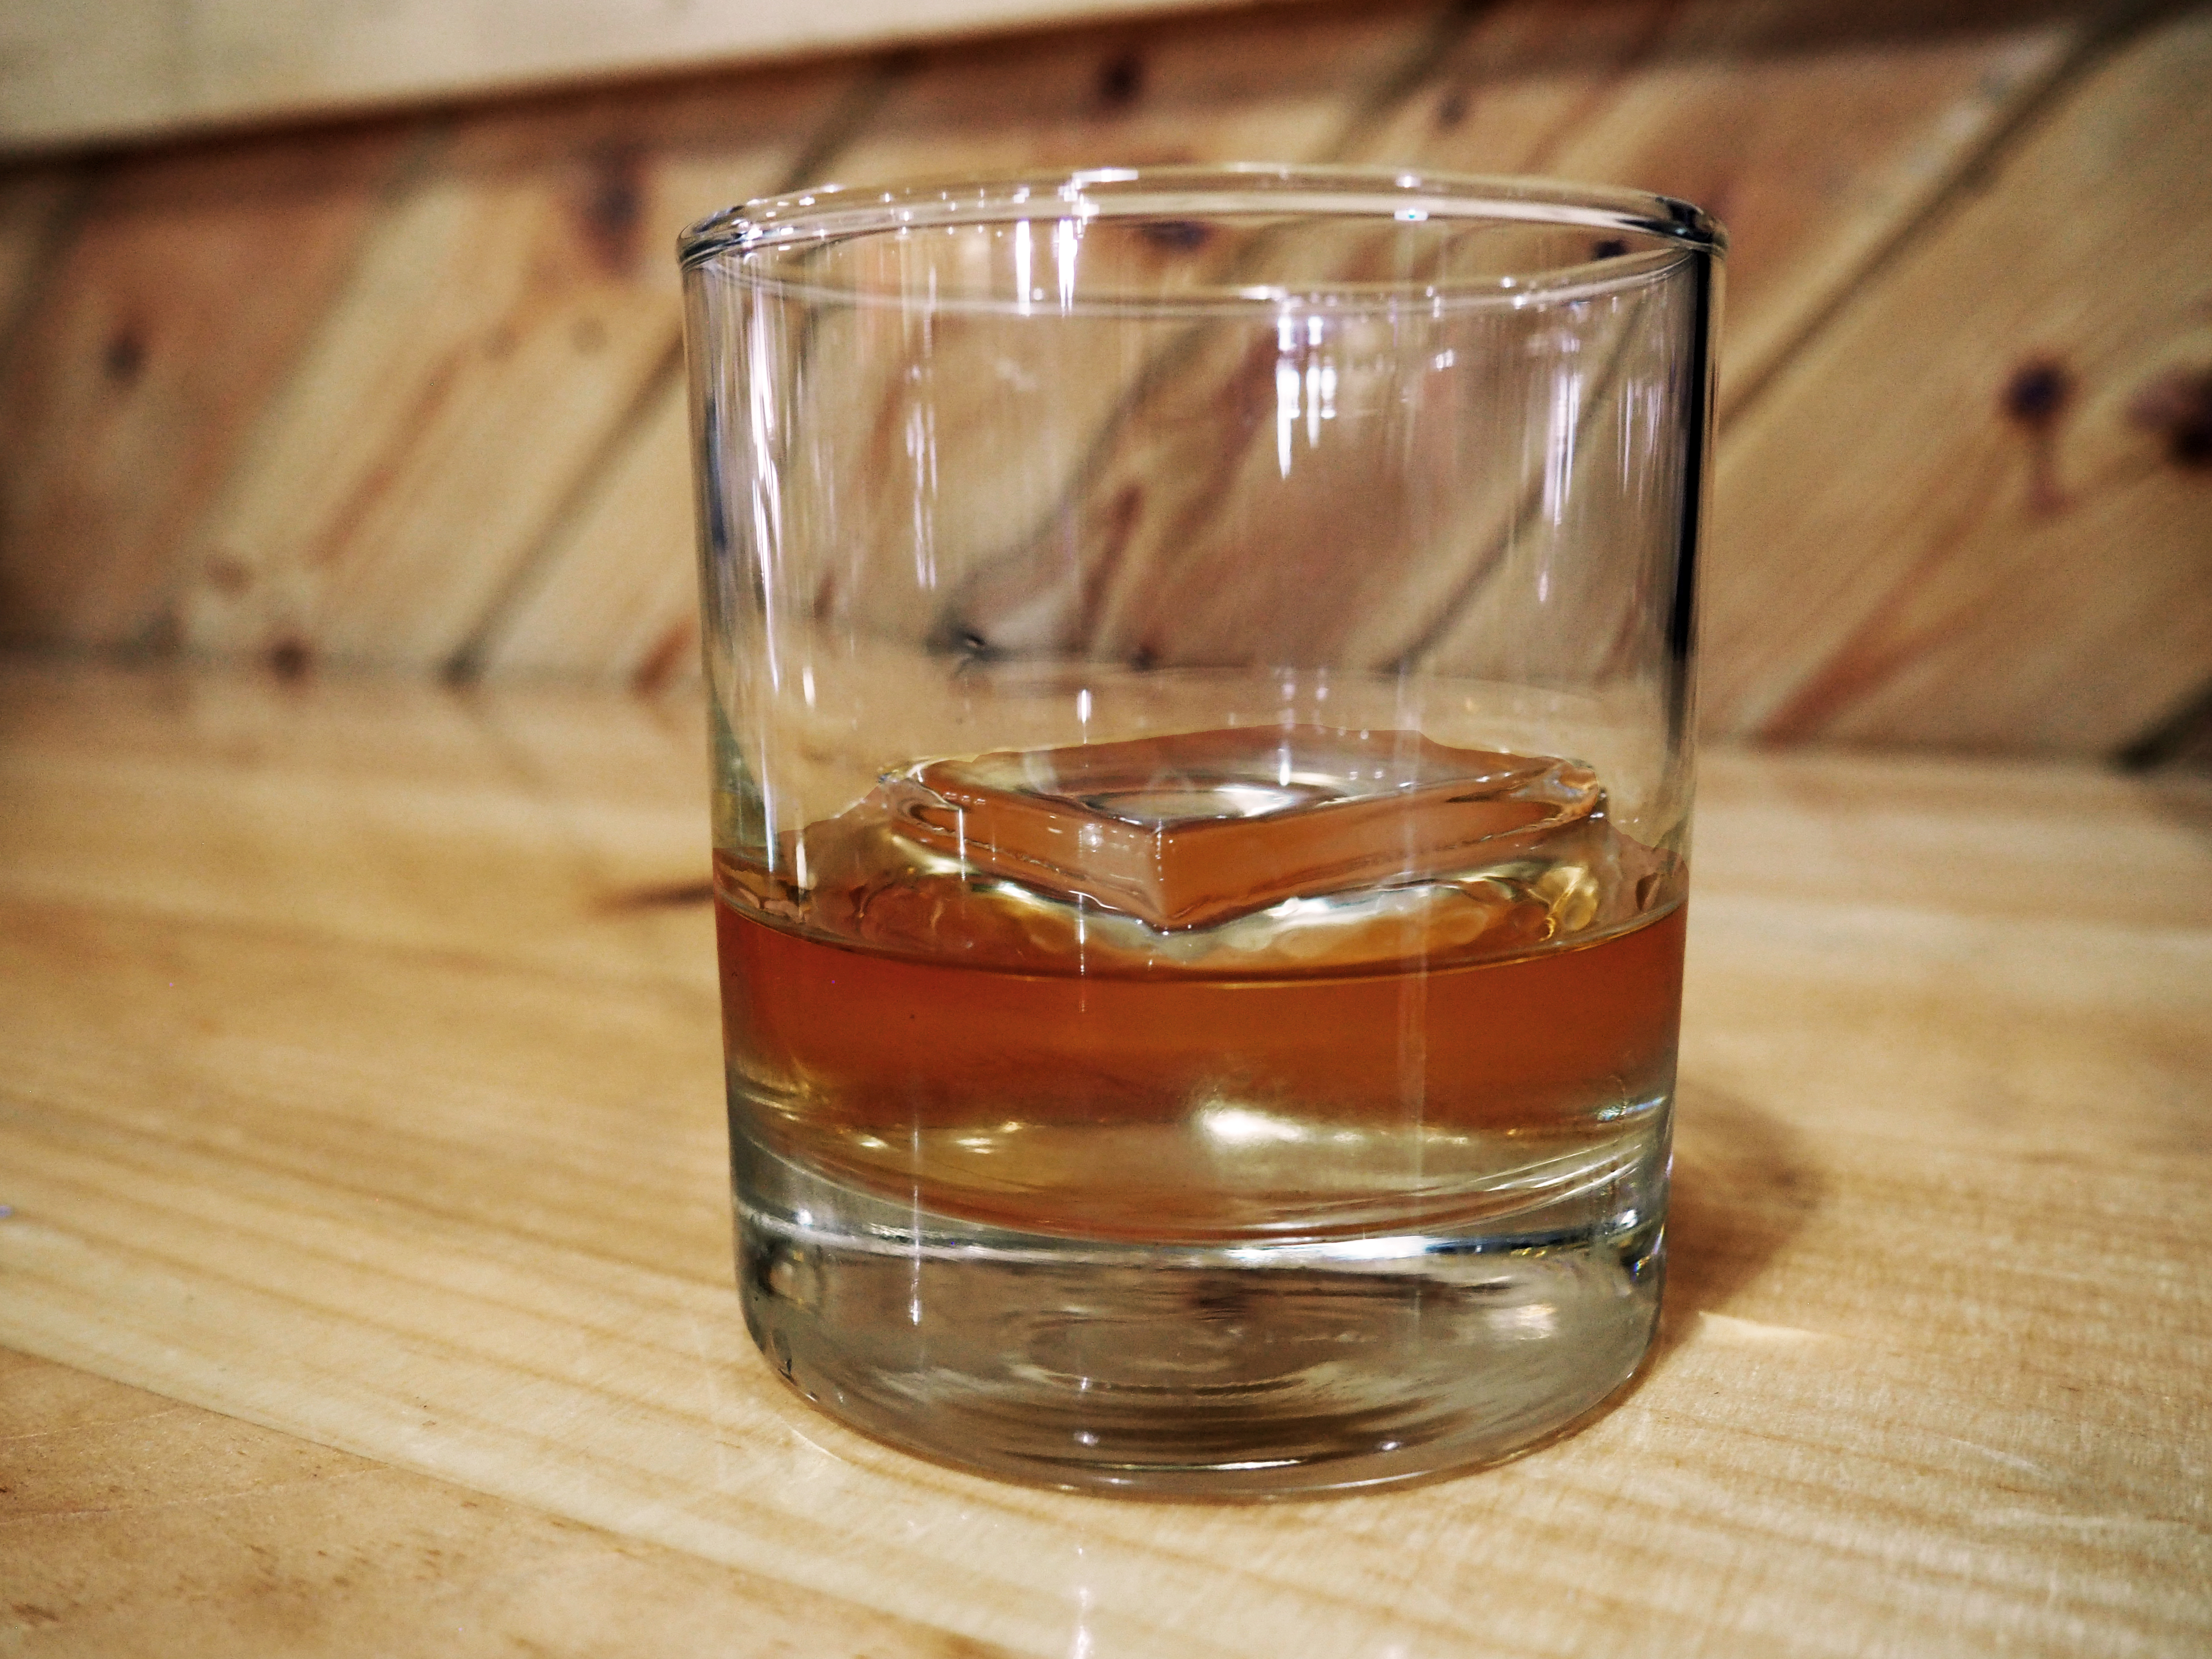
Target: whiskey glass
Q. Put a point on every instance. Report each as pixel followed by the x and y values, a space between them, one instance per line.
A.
pixel 1201 676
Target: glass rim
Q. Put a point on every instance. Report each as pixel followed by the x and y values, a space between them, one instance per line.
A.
pixel 835 213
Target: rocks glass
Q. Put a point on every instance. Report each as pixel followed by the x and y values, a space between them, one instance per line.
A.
pixel 1200 678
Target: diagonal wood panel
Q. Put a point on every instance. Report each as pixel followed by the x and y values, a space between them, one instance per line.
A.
pixel 1629 92
pixel 1609 91
pixel 152 341
pixel 34 202
pixel 1975 511
pixel 1643 93
pixel 1817 133
pixel 618 596
pixel 505 314
pixel 131 68
pixel 446 429
pixel 1270 86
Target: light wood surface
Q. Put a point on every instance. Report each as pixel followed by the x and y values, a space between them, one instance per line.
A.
pixel 130 1523
pixel 131 69
pixel 362 1097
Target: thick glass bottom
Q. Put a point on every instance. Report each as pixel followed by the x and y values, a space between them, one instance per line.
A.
pixel 1218 1371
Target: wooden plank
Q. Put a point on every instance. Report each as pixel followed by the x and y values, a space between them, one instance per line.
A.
pixel 1830 161
pixel 1273 85
pixel 377 778
pixel 1973 512
pixel 1934 1377
pixel 1631 92
pixel 617 595
pixel 1638 88
pixel 2183 739
pixel 69 68
pixel 135 1524
pixel 561 468
pixel 504 320
pixel 131 68
pixel 33 201
pixel 139 365
pixel 1818 133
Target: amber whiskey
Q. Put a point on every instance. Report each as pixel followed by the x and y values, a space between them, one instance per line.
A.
pixel 1256 984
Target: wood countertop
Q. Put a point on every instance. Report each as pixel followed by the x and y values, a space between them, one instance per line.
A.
pixel 365 1267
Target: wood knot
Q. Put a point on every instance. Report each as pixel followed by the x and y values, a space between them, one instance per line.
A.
pixel 1120 80
pixel 290 658
pixel 668 655
pixel 612 208
pixel 2037 394
pixel 124 358
pixel 2177 406
pixel 2033 399
pixel 1182 235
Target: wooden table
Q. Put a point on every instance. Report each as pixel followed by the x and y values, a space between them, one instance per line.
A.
pixel 366 1288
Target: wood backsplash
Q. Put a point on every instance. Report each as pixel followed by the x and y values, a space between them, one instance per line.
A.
pixel 407 392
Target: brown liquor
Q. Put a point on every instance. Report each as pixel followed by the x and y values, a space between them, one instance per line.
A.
pixel 1251 984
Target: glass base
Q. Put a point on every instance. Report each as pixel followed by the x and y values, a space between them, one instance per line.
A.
pixel 1217 1370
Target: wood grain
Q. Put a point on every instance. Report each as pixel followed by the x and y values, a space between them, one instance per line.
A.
pixel 1841 131
pixel 58 63
pixel 141 365
pixel 33 201
pixel 1817 135
pixel 617 595
pixel 1989 459
pixel 132 69
pixel 505 317
pixel 2182 740
pixel 429 1170
pixel 1625 92
pixel 131 1523
pixel 447 434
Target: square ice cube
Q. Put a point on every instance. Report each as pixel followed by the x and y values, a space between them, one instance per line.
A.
pixel 1198 828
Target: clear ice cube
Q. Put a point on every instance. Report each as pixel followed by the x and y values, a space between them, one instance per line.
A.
pixel 1198 828
pixel 1224 853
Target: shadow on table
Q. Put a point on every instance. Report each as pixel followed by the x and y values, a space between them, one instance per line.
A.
pixel 1743 1188
pixel 2183 798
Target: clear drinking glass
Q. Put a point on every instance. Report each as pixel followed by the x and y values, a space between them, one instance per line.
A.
pixel 1200 669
